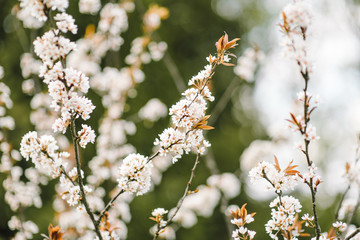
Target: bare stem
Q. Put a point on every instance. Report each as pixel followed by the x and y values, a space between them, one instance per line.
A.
pixel 341 202
pixel 306 78
pixel 80 179
pixel 351 215
pixel 353 234
pixel 180 202
pixel 108 206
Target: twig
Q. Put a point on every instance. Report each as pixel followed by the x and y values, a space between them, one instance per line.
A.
pixel 353 234
pixel 306 78
pixel 63 171
pixel 109 205
pixel 351 216
pixel 341 202
pixel 224 203
pixel 180 202
pixel 80 179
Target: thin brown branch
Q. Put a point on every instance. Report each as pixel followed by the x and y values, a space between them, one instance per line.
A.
pixel 80 179
pixel 108 206
pixel 63 171
pixel 341 202
pixel 306 78
pixel 180 202
pixel 353 234
pixel 352 214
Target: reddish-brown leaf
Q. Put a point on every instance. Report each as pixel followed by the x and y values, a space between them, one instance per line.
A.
pixel 55 232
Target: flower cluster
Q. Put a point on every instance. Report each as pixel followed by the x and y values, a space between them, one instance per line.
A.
pixel 279 180
pixel 189 119
pixel 6 122
pixel 143 50
pixel 43 153
pixel 240 217
pixel 188 115
pixel 86 135
pixel 295 20
pixel 340 226
pixel 227 183
pixel 71 192
pixel 51 47
pixel 115 86
pixel 38 9
pixel 26 229
pixel 158 217
pixel 65 23
pixel 284 218
pixel 153 110
pixel 64 83
pixel 247 63
pixel 89 6
pixel 312 177
pixel 135 174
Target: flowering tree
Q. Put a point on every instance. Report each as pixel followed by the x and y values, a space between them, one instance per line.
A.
pixel 98 144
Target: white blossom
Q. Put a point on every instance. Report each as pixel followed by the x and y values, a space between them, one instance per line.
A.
pixel 113 19
pixel 153 110
pixel 227 183
pixel 51 47
pixel 65 23
pixel 282 215
pixel 43 152
pixel 89 6
pixel 279 180
pixel 135 174
pixel 341 226
pixel 159 212
pixel 86 135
